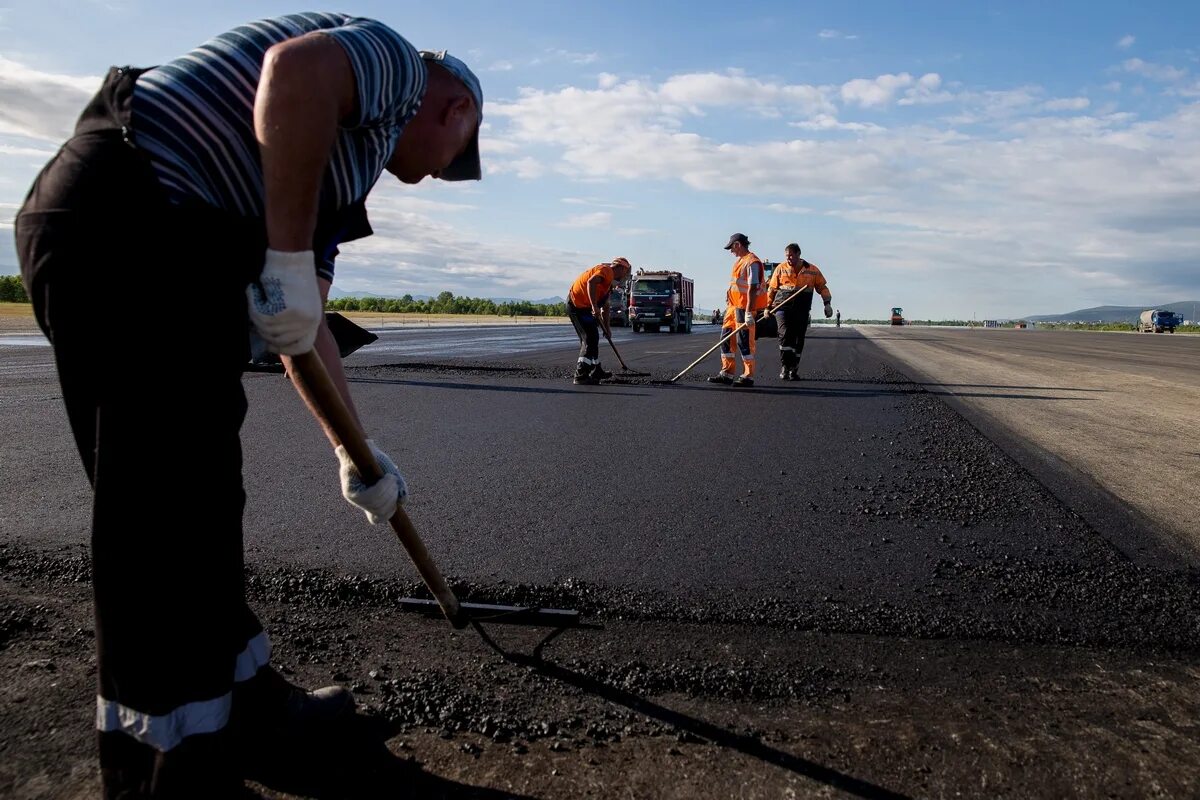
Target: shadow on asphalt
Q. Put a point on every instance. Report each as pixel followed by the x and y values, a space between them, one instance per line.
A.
pixel 697 728
pixel 487 387
pixel 354 763
pixel 857 393
pixel 964 385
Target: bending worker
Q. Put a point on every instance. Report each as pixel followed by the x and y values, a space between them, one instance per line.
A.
pixel 587 306
pixel 222 182
pixel 744 298
pixel 792 276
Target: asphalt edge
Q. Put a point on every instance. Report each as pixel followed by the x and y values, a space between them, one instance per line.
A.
pixel 1128 530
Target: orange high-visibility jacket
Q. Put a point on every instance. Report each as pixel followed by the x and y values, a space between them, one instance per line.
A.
pixel 739 282
pixel 807 276
pixel 579 289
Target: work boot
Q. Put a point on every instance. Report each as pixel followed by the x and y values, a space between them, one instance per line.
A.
pixel 794 374
pixel 600 373
pixel 783 373
pixel 270 700
pixel 585 380
pixel 721 378
pixel 744 382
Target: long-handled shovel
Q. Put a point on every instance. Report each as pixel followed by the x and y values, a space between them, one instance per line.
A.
pixel 325 395
pixel 608 335
pixel 725 338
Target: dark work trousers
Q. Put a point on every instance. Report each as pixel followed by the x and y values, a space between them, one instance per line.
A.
pixel 588 328
pixel 792 321
pixel 144 305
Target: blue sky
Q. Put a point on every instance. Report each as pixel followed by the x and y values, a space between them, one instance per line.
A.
pixel 959 159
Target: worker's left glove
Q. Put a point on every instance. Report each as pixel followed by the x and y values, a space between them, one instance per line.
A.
pixel 381 498
pixel 828 310
pixel 285 303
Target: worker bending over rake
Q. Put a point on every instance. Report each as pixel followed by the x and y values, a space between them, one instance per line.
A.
pixel 587 306
pixel 220 184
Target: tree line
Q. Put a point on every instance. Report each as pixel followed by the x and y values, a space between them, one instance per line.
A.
pixel 12 290
pixel 447 303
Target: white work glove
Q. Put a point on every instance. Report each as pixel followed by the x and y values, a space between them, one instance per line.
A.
pixel 380 499
pixel 828 311
pixel 285 303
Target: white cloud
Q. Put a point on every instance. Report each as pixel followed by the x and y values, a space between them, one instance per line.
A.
pixel 593 201
pixel 501 66
pixel 1155 72
pixel 827 122
pixel 879 91
pixel 1067 104
pixel 25 152
pixel 41 105
pixel 713 90
pixel 1112 86
pixel 927 91
pixel 830 33
pixel 596 219
pixel 1126 41
pixel 414 251
pixel 784 208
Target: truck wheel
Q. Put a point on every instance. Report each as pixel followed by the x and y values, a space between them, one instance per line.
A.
pixel 688 328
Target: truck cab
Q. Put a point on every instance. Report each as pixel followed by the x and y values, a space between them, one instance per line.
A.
pixel 660 299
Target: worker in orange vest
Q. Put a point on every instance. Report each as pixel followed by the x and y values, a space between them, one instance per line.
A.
pixel 745 297
pixel 587 306
pixel 795 275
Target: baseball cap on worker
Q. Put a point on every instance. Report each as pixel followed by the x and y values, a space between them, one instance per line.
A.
pixel 623 262
pixel 466 166
pixel 737 237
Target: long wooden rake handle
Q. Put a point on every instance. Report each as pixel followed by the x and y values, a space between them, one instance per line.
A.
pixel 768 312
pixel 312 371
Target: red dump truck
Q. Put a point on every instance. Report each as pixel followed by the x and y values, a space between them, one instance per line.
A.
pixel 660 299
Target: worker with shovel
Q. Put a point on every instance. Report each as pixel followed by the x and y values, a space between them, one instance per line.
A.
pixel 587 307
pixel 792 317
pixel 743 300
pixel 220 185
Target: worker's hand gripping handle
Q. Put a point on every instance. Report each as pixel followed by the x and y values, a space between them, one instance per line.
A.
pixel 325 395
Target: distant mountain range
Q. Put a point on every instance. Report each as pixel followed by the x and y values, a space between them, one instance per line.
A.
pixel 1129 314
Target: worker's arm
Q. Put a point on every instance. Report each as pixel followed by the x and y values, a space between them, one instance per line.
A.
pixel 772 288
pixel 754 270
pixel 306 87
pixel 593 293
pixel 823 290
pixel 379 500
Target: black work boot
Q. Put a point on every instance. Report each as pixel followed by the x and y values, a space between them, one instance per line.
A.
pixel 744 382
pixel 600 373
pixel 585 376
pixel 783 372
pixel 721 378
pixel 270 700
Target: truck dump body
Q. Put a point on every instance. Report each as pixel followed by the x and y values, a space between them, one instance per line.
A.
pixel 658 299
